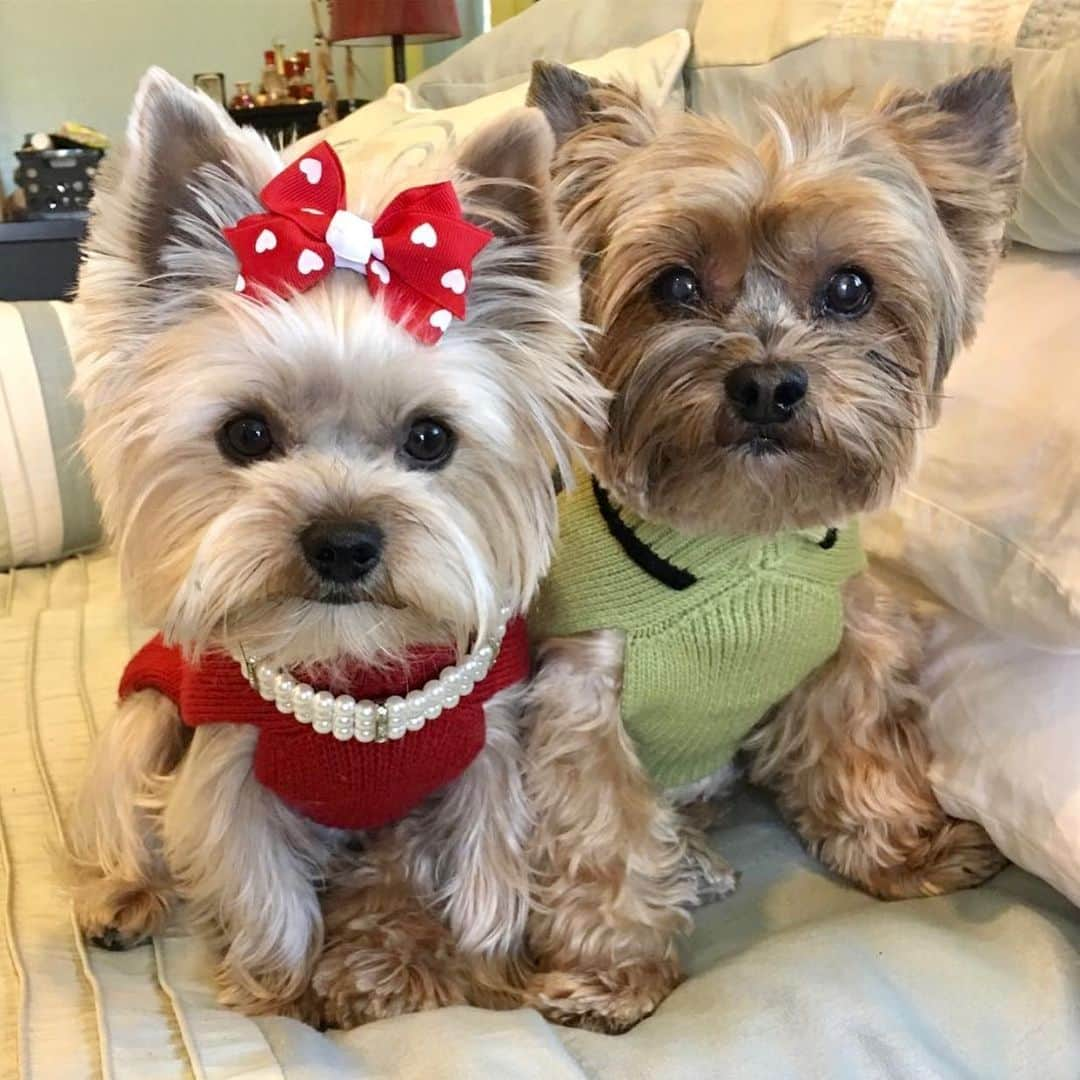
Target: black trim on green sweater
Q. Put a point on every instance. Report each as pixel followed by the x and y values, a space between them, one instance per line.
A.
pixel 656 566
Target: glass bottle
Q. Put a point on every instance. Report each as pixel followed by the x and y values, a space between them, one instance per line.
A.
pixel 242 99
pixel 307 88
pixel 292 79
pixel 273 82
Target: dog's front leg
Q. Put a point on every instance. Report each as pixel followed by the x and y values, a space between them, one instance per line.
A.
pixel 121 887
pixel 849 762
pixel 433 911
pixel 472 857
pixel 248 866
pixel 613 884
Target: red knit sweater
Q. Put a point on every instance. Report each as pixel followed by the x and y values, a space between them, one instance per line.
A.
pixel 345 785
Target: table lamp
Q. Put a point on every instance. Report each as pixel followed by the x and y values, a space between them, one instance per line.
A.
pixel 390 22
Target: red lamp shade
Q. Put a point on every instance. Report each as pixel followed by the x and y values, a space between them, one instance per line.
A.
pixel 420 20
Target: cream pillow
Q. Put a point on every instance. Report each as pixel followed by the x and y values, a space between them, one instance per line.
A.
pixel 399 128
pixel 562 30
pixel 743 52
pixel 1004 725
pixel 991 522
pixel 361 127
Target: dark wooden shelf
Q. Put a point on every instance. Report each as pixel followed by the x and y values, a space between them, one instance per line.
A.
pixel 282 124
pixel 286 114
pixel 39 260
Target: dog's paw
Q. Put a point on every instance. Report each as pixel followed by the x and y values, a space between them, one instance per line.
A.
pixel 259 980
pixel 714 877
pixel 385 965
pixel 960 856
pixel 118 915
pixel 609 1001
pixel 260 994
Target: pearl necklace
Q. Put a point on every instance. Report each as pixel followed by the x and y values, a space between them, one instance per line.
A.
pixel 371 721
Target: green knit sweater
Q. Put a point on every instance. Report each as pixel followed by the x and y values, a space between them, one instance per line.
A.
pixel 704 662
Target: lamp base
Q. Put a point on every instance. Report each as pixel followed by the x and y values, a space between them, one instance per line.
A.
pixel 397 43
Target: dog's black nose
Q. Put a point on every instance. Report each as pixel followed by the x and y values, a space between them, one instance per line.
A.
pixel 766 393
pixel 342 552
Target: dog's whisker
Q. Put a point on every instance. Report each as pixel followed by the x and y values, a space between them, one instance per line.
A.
pixel 890 366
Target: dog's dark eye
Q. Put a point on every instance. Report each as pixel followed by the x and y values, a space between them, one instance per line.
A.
pixel 244 439
pixel 428 443
pixel 677 287
pixel 847 293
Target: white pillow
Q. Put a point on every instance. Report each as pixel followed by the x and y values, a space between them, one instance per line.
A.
pixel 1005 729
pixel 991 522
pixel 398 128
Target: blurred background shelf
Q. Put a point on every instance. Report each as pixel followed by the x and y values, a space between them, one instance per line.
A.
pixel 39 260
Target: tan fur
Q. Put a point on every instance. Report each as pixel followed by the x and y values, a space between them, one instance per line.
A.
pixel 211 551
pixel 387 953
pixel 435 912
pixel 121 887
pixel 849 762
pixel 618 869
pixel 761 224
pixel 914 192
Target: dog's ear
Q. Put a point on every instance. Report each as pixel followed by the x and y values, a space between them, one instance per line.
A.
pixel 523 301
pixel 964 138
pixel 506 188
pixel 507 166
pixel 185 172
pixel 563 95
pixel 575 103
pixel 597 126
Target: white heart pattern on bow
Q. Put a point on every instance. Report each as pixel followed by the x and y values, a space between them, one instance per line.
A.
pixel 440 319
pixel 312 169
pixel 454 280
pixel 380 271
pixel 241 283
pixel 425 236
pixel 310 262
pixel 265 241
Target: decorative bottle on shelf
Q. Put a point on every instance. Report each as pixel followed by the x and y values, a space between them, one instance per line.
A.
pixel 307 89
pixel 293 78
pixel 242 99
pixel 273 82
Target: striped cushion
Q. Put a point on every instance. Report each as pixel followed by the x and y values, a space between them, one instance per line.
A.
pixel 46 505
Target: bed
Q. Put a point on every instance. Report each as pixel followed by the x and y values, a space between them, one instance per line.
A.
pixel 797 974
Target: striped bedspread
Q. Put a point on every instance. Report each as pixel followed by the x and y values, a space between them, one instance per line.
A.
pixel 797 975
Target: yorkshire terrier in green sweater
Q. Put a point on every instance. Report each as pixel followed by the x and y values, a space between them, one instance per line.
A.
pixel 775 321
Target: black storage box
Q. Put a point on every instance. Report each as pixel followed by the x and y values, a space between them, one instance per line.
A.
pixel 39 260
pixel 57 181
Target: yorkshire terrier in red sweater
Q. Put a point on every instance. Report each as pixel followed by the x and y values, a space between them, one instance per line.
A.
pixel 321 418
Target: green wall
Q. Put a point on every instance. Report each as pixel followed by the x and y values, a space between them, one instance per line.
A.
pixel 81 59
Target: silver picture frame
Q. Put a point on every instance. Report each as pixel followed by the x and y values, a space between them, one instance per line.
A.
pixel 212 84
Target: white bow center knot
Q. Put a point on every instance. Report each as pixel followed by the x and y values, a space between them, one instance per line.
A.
pixel 352 240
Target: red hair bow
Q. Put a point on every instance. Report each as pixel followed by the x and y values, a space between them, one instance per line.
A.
pixel 417 255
